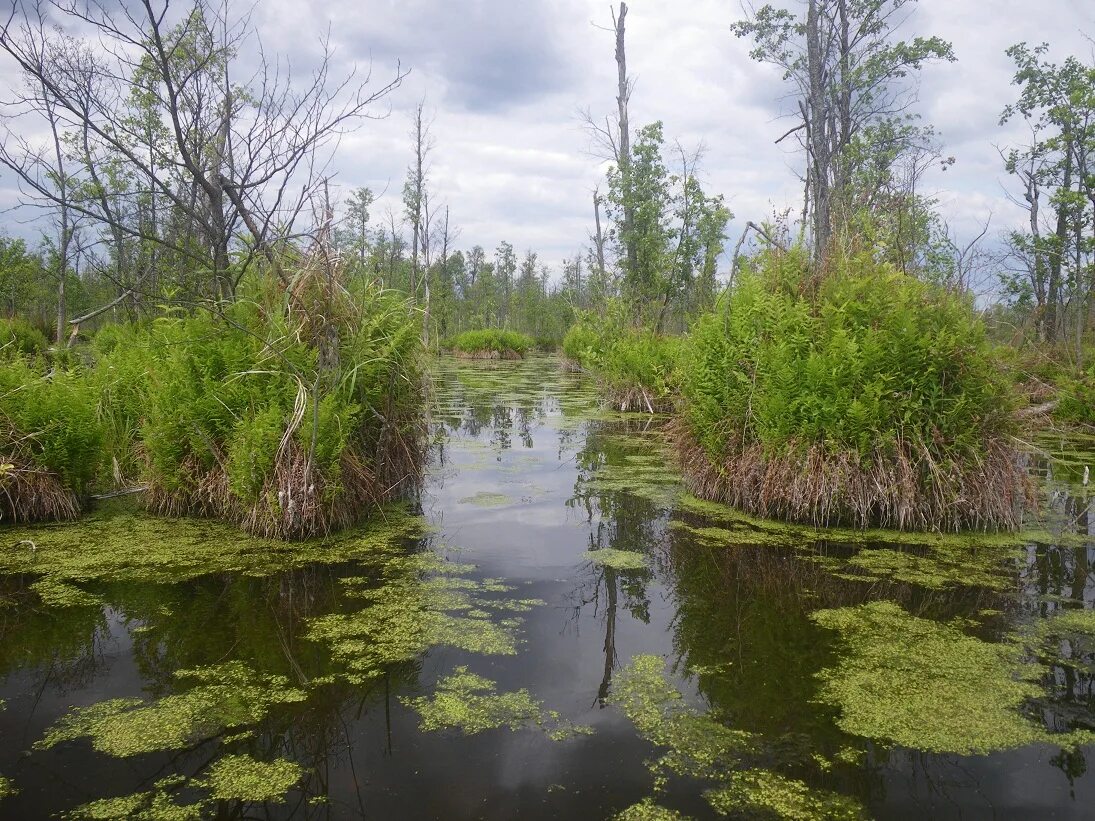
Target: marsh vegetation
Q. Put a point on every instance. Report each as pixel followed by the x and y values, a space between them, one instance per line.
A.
pixel 304 515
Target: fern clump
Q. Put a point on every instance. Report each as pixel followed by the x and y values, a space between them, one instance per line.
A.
pixel 635 367
pixel 492 343
pixel 866 397
pixel 287 425
pixel 50 441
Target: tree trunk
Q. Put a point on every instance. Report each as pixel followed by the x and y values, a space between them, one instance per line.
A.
pixel 623 160
pixel 817 134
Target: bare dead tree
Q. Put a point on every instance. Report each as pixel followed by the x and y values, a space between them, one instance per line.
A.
pixel 416 208
pixel 237 159
pixel 847 74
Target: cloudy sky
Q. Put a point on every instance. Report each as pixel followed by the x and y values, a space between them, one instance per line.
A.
pixel 502 82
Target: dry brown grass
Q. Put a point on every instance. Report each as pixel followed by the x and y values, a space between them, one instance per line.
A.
pixel 487 354
pixel 296 502
pixel 32 494
pixel 637 399
pixel 906 491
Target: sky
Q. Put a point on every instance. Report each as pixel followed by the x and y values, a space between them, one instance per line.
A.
pixel 503 81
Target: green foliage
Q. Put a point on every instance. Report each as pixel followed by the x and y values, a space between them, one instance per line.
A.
pixel 872 359
pixel 1076 391
pixel 125 358
pixel 582 342
pixel 19 338
pixel 238 394
pixel 636 367
pixel 668 233
pixel 50 422
pixel 492 340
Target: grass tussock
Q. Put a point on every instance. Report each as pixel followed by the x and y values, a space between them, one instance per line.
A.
pixel 867 398
pixel 286 425
pixel 49 441
pixel 491 343
pixel 635 368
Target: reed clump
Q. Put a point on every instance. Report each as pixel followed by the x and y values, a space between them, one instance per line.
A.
pixel 863 397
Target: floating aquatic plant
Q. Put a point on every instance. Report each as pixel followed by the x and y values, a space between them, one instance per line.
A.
pixel 152 805
pixel 407 614
pixel 129 547
pixel 226 696
pixel 616 559
pixel 929 686
pixel 485 499
pixel 647 810
pixel 699 746
pixel 471 703
pixel 243 778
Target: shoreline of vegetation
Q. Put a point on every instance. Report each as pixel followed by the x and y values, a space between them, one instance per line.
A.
pixel 268 413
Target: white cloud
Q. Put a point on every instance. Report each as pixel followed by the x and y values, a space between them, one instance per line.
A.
pixel 503 81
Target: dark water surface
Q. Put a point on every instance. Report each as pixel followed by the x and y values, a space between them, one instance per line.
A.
pixel 685 674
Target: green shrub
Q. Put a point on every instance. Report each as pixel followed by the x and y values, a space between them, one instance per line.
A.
pixel 19 338
pixel 582 342
pixel 636 368
pixel 231 426
pixel 1076 392
pixel 49 423
pixel 492 343
pixel 125 358
pixel 869 377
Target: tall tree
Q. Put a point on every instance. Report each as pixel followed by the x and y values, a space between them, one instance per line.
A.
pixel 1057 171
pixel 847 72
pixel 246 159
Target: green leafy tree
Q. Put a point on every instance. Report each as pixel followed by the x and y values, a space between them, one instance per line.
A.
pixel 847 72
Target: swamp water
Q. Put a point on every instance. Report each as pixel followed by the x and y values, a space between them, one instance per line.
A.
pixel 562 633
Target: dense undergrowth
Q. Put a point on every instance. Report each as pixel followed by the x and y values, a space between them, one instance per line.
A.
pixel 491 343
pixel 864 397
pixel 285 419
pixel 636 368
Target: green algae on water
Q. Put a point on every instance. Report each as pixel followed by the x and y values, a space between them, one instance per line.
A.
pixel 243 778
pixel 226 696
pixel 647 810
pixel 420 603
pixel 699 746
pixel 485 499
pixel 153 805
pixel 936 567
pixel 471 703
pixel 616 559
pixel 775 794
pixel 6 788
pixel 928 686
pixel 136 547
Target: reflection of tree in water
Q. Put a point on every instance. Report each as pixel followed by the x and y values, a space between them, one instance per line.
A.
pixel 58 648
pixel 743 627
pixel 267 623
pixel 619 521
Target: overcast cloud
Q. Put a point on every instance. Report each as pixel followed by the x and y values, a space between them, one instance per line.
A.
pixel 502 82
